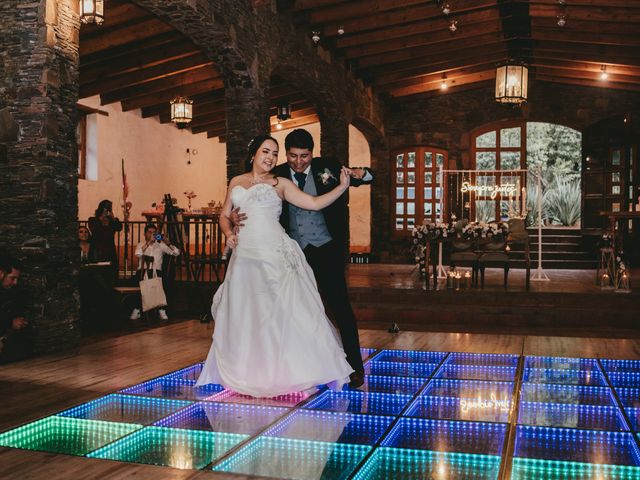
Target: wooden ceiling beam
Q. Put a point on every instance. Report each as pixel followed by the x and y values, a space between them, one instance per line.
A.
pixel 115 15
pixel 413 28
pixel 122 36
pixel 168 95
pixel 611 39
pixel 595 53
pixel 587 75
pixel 426 11
pixel 203 119
pixel 198 99
pixel 584 26
pixel 435 84
pixel 125 80
pixel 604 13
pixel 301 5
pixel 452 76
pixel 358 9
pixel 633 73
pixel 137 59
pixel 421 53
pixel 586 83
pixel 171 81
pixel 435 38
pixel 393 76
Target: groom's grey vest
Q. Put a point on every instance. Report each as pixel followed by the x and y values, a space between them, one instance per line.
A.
pixel 307 226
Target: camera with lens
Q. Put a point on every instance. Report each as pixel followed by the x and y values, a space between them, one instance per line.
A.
pixel 159 237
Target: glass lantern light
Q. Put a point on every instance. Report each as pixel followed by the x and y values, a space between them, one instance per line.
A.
pixel 181 111
pixel 92 11
pixel 283 112
pixel 512 84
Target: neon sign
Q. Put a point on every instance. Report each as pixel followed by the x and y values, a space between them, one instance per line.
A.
pixel 507 189
pixel 482 404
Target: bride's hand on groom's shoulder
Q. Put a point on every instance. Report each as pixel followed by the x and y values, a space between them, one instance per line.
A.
pixel 345 177
pixel 232 241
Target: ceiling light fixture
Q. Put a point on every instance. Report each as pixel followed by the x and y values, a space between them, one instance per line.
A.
pixel 512 84
pixel 340 30
pixel 315 36
pixel 443 84
pixel 181 111
pixel 446 9
pixel 562 20
pixel 92 11
pixel 603 73
pixel 453 25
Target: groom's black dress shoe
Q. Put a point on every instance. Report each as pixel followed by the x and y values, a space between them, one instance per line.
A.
pixel 357 379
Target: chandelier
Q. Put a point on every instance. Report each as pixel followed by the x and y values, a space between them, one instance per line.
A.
pixel 92 11
pixel 512 83
pixel 283 112
pixel 181 111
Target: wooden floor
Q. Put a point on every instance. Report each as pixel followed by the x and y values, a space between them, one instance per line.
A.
pixel 43 386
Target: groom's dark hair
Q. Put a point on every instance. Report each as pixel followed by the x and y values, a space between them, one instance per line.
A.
pixel 299 138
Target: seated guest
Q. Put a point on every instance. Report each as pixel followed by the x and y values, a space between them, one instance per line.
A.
pixel 14 338
pixel 150 255
pixel 84 238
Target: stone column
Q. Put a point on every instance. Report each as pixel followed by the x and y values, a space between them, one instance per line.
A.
pixel 38 164
pixel 334 142
pixel 334 136
pixel 247 115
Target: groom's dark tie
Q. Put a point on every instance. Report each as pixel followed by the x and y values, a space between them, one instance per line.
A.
pixel 301 178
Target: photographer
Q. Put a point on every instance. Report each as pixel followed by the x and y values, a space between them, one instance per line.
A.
pixel 150 255
pixel 103 228
pixel 14 336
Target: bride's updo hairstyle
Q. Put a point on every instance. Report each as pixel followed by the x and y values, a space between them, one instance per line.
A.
pixel 253 147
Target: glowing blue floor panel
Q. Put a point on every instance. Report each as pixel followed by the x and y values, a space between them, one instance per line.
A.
pixel 300 459
pixel 570 394
pixel 570 445
pixel 447 436
pixel 488 409
pixel 419 415
pixel 404 464
pixel 400 369
pixel 571 416
pixel 126 409
pixel 334 427
pixel 173 388
pixel 355 401
pixel 476 372
pixel 224 417
pixel 483 359
pixel 591 377
pixel 411 356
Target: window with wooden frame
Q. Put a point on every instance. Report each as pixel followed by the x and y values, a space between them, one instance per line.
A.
pixel 416 186
pixel 500 146
pixel 81 138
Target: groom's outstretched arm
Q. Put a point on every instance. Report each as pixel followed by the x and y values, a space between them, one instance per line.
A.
pixel 359 175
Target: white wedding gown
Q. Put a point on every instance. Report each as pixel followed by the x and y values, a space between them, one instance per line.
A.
pixel 272 336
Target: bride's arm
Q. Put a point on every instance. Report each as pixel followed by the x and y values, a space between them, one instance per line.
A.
pixel 297 197
pixel 225 216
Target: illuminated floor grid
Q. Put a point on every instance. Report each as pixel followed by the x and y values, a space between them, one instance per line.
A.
pixel 420 415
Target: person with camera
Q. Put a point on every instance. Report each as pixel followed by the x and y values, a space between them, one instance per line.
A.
pixel 103 228
pixel 150 255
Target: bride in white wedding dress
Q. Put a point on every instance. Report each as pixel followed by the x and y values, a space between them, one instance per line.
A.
pixel 272 336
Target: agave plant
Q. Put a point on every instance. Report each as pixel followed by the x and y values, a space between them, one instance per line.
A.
pixel 562 202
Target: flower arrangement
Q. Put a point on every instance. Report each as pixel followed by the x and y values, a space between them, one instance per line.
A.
pixel 497 231
pixel 423 235
pixel 326 176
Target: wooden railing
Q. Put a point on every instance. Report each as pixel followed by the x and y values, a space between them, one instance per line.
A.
pixel 200 241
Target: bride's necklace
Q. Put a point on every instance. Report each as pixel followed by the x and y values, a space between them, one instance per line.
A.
pixel 259 179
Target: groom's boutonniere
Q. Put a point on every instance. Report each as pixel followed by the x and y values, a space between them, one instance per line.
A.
pixel 326 176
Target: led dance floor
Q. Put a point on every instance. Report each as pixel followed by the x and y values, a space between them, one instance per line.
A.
pixel 420 415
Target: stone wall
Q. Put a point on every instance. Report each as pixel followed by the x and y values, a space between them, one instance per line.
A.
pixel 447 120
pixel 38 170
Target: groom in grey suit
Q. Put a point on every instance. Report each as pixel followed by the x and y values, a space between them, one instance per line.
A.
pixel 323 234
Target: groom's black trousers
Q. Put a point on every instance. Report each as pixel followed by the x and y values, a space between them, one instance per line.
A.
pixel 327 263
